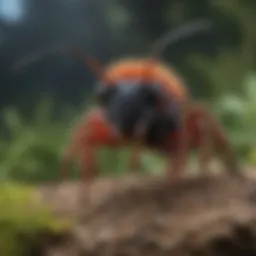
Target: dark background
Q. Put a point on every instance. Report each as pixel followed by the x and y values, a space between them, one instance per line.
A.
pixel 111 29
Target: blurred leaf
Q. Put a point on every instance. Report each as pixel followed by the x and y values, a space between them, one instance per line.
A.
pixel 238 113
pixel 44 112
pixel 13 121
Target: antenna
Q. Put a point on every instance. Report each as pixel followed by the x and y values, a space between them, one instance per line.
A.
pixel 181 33
pixel 92 63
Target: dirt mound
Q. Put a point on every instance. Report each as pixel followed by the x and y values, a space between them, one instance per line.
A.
pixel 147 216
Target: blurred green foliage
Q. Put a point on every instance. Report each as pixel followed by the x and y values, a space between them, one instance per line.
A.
pixel 24 222
pixel 32 150
pixel 238 114
pixel 31 147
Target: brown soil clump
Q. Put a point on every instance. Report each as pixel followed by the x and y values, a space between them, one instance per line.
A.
pixel 199 216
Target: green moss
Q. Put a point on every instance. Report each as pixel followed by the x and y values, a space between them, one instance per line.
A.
pixel 23 220
pixel 252 157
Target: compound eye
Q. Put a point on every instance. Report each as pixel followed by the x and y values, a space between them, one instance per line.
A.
pixel 105 93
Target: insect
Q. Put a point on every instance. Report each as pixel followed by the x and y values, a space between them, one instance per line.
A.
pixel 144 104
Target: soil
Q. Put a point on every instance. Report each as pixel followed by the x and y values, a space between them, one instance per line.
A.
pixel 141 215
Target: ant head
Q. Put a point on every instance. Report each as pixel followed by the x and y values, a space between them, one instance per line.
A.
pixel 130 103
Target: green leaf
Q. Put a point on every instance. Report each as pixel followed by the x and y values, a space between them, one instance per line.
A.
pixel 43 112
pixel 13 121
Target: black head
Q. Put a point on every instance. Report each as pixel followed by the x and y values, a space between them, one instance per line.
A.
pixel 131 105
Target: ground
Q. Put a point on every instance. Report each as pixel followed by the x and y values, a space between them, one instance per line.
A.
pixel 143 215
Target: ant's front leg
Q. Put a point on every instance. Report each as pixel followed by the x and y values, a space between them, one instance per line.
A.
pixel 134 164
pixel 212 137
pixel 178 155
pixel 205 150
pixel 201 137
pixel 90 134
pixel 204 143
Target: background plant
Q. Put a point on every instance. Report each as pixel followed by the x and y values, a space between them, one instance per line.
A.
pixel 32 149
pixel 24 222
pixel 238 113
